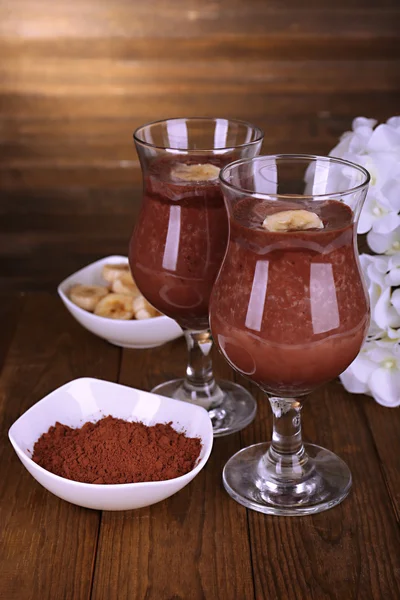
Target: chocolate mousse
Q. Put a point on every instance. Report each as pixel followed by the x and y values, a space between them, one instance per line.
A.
pixel 289 308
pixel 180 237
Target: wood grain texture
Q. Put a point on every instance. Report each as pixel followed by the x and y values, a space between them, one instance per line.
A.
pixel 138 79
pixel 336 554
pixel 10 308
pixel 48 236
pixel 193 545
pixel 47 546
pixel 199 543
pixel 157 18
pixel 77 78
pixel 385 432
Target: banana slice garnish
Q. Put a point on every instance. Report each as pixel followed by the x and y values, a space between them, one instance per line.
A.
pixel 206 172
pixel 142 309
pixel 292 220
pixel 115 306
pixel 123 302
pixel 87 296
pixel 125 285
pixel 112 272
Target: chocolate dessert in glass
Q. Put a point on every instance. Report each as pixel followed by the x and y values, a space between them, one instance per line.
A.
pixel 289 311
pixel 179 242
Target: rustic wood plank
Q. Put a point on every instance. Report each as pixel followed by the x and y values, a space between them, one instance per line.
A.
pixel 36 142
pixel 118 131
pixel 125 19
pixel 338 553
pixel 106 77
pixel 193 545
pixel 47 546
pixel 10 308
pixel 384 424
pixel 379 42
pixel 73 227
pixel 251 106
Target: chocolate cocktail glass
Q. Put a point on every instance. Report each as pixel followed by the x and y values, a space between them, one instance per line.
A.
pixel 179 241
pixel 289 311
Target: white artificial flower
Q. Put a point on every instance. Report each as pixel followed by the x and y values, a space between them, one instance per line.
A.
pixel 393 275
pixel 381 273
pixel 375 269
pixel 384 138
pixel 378 150
pixel 394 122
pixel 386 316
pixel 384 243
pixel 376 371
pixel 355 141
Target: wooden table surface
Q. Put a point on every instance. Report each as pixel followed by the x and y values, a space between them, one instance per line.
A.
pixel 76 77
pixel 199 544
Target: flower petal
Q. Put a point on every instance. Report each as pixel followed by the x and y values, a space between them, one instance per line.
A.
pixel 393 333
pixel 384 138
pixel 394 261
pixel 384 313
pixel 380 242
pixel 364 122
pixel 352 384
pixel 386 223
pixel 391 190
pixel 392 279
pixel 385 386
pixel 379 355
pixel 394 122
pixel 396 300
pixel 362 367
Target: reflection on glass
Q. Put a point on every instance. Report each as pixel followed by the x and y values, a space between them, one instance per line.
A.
pixel 255 309
pixel 171 251
pixel 221 133
pixel 177 133
pixel 324 305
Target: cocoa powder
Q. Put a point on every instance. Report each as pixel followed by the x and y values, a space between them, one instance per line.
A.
pixel 116 451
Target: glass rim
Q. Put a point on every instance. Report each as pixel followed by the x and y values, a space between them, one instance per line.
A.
pixel 259 134
pixel 297 157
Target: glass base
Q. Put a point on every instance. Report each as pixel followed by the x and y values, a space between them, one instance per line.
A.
pixel 232 406
pixel 325 482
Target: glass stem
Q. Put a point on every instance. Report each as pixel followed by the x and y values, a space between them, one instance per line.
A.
pixel 286 456
pixel 200 382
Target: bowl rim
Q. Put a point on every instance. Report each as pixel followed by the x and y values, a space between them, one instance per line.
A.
pixel 109 486
pixel 96 318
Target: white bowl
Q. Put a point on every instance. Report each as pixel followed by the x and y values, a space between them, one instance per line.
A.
pixel 146 333
pixel 87 399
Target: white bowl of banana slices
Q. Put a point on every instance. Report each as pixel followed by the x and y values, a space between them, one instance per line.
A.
pixel 104 299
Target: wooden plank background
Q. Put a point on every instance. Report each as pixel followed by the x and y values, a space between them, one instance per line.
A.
pixel 77 76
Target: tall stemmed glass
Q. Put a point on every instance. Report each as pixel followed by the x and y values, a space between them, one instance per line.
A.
pixel 289 310
pixel 179 242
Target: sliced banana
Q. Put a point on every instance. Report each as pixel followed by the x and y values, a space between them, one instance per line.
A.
pixel 87 296
pixel 292 220
pixel 115 306
pixel 206 172
pixel 125 285
pixel 142 309
pixel 112 272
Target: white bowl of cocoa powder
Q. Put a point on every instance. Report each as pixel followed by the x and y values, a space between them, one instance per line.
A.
pixel 105 446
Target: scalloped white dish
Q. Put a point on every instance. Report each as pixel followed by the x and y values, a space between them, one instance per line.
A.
pixel 87 399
